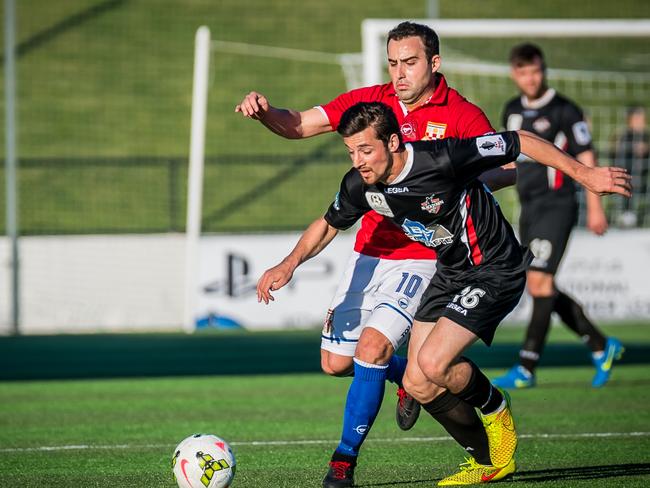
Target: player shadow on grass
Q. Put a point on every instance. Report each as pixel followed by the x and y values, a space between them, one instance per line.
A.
pixel 583 472
pixel 551 474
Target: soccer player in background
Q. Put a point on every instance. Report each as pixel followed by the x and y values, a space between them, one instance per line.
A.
pixel 481 266
pixel 372 310
pixel 549 211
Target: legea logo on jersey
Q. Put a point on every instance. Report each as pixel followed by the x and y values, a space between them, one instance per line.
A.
pixel 432 236
pixel 491 145
pixel 435 130
pixel 432 204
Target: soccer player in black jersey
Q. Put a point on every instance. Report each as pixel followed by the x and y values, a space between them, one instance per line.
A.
pixel 548 213
pixel 431 191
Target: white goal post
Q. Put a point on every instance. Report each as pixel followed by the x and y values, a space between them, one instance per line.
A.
pixel 195 174
pixel 373 33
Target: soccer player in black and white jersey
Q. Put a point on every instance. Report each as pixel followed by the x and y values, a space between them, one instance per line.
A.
pixel 430 190
pixel 548 213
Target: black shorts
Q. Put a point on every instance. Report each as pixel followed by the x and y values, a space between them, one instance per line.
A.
pixel 545 227
pixel 478 299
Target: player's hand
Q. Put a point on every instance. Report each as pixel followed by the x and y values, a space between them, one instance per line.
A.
pixel 254 106
pixel 597 222
pixel 606 180
pixel 273 279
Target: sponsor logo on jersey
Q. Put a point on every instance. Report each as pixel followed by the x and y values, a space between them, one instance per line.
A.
pixel 529 113
pixel 432 236
pixel 541 125
pixel 434 130
pixel 378 203
pixel 391 189
pixel 403 303
pixel 407 130
pixel 491 145
pixel 432 204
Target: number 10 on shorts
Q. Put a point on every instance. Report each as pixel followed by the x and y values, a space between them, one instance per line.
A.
pixel 410 283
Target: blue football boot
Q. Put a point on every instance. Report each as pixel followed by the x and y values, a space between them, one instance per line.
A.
pixel 604 361
pixel 516 377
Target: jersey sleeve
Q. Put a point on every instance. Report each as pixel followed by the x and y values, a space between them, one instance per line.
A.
pixel 334 109
pixel 348 205
pixel 468 158
pixel 576 129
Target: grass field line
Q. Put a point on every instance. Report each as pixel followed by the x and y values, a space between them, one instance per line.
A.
pixel 73 447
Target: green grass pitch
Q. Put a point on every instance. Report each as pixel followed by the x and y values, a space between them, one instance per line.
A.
pixel 121 432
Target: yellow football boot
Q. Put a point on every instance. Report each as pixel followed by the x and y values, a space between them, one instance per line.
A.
pixel 472 473
pixel 501 434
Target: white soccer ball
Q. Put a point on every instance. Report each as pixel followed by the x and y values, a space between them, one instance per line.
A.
pixel 203 461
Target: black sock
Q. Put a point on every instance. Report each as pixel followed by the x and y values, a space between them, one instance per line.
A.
pixel 574 317
pixel 537 332
pixel 460 420
pixel 479 392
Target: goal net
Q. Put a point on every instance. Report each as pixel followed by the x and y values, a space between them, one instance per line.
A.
pixel 598 63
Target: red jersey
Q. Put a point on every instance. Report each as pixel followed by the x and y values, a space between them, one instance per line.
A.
pixel 445 114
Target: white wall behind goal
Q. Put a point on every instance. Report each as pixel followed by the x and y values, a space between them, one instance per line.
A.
pixel 118 283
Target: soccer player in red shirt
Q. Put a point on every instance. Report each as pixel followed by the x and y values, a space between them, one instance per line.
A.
pixel 372 311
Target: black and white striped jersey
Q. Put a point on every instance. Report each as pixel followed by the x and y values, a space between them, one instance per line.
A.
pixel 437 201
pixel 558 120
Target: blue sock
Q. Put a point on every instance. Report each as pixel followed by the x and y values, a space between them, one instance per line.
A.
pixel 395 370
pixel 364 399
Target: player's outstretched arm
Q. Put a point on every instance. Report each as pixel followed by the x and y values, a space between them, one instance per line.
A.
pixel 316 238
pixel 596 219
pixel 287 123
pixel 601 181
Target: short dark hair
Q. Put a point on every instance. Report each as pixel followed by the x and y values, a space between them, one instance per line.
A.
pixel 525 54
pixel 424 32
pixel 370 114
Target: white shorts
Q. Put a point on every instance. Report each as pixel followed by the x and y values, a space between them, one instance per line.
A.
pixel 379 293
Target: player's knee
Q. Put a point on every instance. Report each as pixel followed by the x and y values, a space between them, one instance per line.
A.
pixel 436 371
pixel 539 284
pixel 419 388
pixel 374 347
pixel 336 365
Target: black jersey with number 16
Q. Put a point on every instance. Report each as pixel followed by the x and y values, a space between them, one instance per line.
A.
pixel 438 201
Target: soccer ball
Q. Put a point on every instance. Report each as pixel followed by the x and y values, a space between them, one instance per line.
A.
pixel 203 461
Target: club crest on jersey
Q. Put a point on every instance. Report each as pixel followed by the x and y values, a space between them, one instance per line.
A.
pixel 432 204
pixel 434 130
pixel 541 125
pixel 432 236
pixel 491 145
pixel 378 203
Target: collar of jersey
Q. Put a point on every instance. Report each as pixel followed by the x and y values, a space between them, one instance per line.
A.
pixel 438 97
pixel 540 102
pixel 407 167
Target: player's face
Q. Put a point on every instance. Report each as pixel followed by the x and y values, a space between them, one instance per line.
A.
pixel 530 79
pixel 370 156
pixel 410 71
